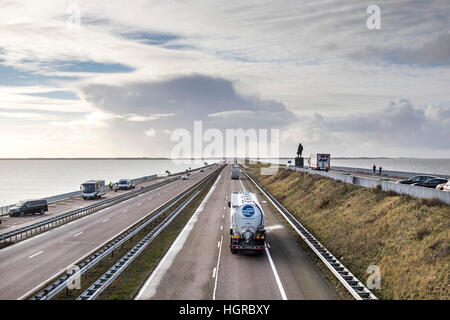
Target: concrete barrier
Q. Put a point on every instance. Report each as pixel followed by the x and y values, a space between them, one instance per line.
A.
pixel 413 191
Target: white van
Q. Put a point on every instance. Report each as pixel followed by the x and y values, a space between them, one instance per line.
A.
pixel 93 189
pixel 125 184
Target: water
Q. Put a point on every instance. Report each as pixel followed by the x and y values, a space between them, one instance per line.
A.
pixel 430 166
pixel 29 179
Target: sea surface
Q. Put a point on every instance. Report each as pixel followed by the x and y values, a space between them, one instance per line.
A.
pixel 31 179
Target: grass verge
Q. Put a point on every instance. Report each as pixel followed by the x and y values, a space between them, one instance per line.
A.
pixel 407 238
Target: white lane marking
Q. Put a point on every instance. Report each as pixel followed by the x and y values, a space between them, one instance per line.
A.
pixel 277 278
pixel 105 220
pixel 224 208
pixel 221 227
pixel 217 267
pixel 124 210
pixel 223 216
pixel 218 244
pixel 150 286
pixel 76 235
pixel 139 204
pixel 34 255
pixel 243 188
pixel 214 272
pixel 150 198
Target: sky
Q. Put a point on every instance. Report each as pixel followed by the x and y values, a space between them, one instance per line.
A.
pixel 118 78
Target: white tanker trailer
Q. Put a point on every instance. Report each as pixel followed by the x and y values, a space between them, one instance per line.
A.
pixel 247 223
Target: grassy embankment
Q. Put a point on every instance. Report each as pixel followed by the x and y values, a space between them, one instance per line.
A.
pixel 409 239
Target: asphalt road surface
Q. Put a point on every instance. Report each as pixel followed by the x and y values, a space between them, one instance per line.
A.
pixel 27 264
pixel 199 264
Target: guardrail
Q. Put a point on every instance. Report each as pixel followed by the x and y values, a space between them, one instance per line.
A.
pixel 4 209
pixel 108 277
pixel 57 286
pixel 356 288
pixel 78 213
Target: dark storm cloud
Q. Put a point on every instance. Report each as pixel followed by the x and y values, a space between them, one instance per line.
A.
pixel 188 98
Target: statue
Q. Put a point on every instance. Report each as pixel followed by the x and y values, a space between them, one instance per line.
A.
pixel 299 151
pixel 299 159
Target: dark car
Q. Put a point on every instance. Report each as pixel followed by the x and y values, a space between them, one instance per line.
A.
pixel 417 179
pixel 433 183
pixel 28 207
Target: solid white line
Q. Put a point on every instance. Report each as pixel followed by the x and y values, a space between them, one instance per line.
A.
pixel 218 244
pixel 76 235
pixel 214 272
pixel 34 255
pixel 150 286
pixel 243 188
pixel 217 267
pixel 277 278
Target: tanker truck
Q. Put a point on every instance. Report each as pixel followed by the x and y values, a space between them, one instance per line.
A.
pixel 247 223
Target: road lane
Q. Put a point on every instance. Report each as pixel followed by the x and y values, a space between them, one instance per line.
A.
pixel 204 267
pixel 19 275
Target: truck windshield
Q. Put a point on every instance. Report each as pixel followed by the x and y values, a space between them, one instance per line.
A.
pixel 88 187
pixel 123 181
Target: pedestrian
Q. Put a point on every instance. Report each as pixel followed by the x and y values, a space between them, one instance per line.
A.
pixel 380 170
pixel 374 169
pixel 110 185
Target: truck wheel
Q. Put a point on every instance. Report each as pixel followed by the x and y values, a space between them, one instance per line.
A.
pixel 42 212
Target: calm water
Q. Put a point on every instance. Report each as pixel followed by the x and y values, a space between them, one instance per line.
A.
pixel 431 166
pixel 23 179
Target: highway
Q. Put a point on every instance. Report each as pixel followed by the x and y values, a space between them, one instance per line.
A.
pixel 199 264
pixel 63 206
pixel 26 265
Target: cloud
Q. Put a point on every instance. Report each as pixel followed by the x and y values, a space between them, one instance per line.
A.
pixel 400 126
pixel 434 52
pixel 187 98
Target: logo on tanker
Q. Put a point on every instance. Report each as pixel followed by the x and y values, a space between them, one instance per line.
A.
pixel 248 211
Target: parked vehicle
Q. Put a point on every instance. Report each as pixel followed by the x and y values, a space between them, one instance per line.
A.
pixel 416 179
pixel 93 189
pixel 319 161
pixel 125 184
pixel 432 183
pixel 247 223
pixel 184 177
pixel 201 170
pixel 28 207
pixel 235 171
pixel 444 186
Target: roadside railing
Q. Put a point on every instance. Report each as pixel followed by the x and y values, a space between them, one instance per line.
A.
pixel 76 214
pixel 64 280
pixel 356 288
pixel 4 209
